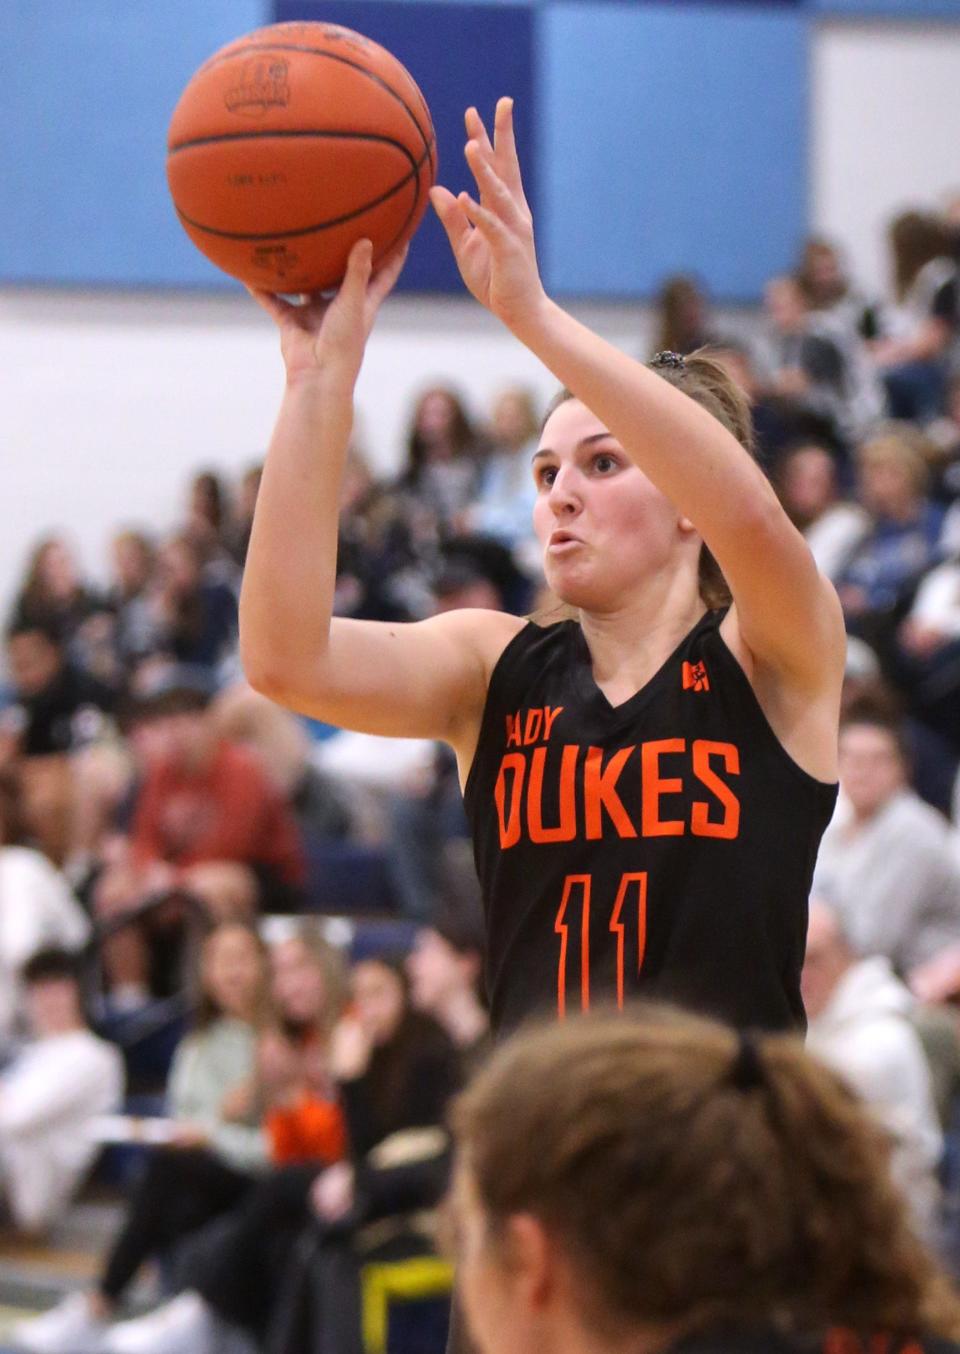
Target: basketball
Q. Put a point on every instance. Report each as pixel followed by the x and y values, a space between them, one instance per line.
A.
pixel 292 143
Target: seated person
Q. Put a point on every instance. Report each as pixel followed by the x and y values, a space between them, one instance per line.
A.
pixel 51 1095
pixel 396 1071
pixel 216 1147
pixel 37 907
pixel 861 1026
pixel 887 864
pixel 208 822
pixel 901 541
pixel 58 719
pixel 444 971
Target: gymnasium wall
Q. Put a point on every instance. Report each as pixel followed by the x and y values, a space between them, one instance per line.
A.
pixel 707 136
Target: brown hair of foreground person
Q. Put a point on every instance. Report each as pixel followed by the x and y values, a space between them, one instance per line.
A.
pixel 691 1181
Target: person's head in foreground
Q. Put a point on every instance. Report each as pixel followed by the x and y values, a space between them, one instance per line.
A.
pixel 646 1183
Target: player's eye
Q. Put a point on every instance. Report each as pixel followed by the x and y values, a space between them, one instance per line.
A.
pixel 545 476
pixel 604 462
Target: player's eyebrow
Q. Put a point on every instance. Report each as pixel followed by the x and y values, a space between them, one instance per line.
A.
pixel 584 442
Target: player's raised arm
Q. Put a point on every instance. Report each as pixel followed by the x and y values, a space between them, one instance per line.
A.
pixel 789 617
pixel 413 680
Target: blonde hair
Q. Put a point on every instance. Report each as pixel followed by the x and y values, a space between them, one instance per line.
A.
pixel 684 1193
pixel 901 445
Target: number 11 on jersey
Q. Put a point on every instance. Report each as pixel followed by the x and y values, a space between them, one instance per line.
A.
pixel 630 903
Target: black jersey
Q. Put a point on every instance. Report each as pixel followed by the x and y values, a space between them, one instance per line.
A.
pixel 662 848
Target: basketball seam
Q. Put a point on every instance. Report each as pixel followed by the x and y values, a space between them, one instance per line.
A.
pixel 414 174
pixel 330 56
pixel 325 133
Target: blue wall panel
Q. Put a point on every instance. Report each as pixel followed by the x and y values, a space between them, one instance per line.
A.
pixel 458 54
pixel 88 89
pixel 889 9
pixel 672 137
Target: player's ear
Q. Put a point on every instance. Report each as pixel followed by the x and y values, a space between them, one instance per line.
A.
pixel 532 1259
pixel 686 526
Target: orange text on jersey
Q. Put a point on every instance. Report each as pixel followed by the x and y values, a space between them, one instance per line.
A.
pixel 641 802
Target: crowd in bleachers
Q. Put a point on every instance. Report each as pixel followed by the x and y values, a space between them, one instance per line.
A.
pixel 202 837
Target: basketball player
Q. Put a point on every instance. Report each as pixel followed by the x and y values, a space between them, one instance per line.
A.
pixel 653 1185
pixel 647 784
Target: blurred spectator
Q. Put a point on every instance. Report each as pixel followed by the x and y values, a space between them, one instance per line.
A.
pixel 238 535
pixel 943 436
pixel 931 758
pixel 57 708
pixel 887 864
pixel 207 509
pixel 51 1095
pixel 819 371
pixel 59 719
pixel 283 746
pixel 53 594
pixel 503 505
pixel 444 970
pixel 921 325
pixel 444 455
pixel 878 582
pixel 216 1142
pixel 194 619
pixel 133 561
pixel 929 650
pixel 683 316
pixel 396 1071
pixel 208 823
pixel 823 278
pixel 861 1026
pixel 37 908
pixel 832 526
pixel 386 549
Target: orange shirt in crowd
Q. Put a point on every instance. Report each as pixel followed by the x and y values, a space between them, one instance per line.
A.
pixel 229 810
pixel 308 1130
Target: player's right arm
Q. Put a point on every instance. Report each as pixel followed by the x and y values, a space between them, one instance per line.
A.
pixel 424 680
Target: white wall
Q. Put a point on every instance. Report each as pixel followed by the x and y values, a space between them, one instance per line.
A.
pixel 111 402
pixel 885 131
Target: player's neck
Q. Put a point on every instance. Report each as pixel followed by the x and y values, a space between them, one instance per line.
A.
pixel 629 645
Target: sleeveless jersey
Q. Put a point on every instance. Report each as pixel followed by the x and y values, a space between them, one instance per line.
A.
pixel 662 848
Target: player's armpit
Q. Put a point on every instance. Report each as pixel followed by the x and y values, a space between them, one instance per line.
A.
pixel 423 679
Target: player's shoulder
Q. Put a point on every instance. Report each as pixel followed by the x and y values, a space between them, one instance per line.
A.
pixel 484 633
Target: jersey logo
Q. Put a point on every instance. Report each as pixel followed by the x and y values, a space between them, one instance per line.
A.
pixel 695 677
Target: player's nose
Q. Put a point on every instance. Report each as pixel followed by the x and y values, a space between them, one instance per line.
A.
pixel 564 497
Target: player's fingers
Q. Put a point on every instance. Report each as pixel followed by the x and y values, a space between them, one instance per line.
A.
pixel 476 131
pixel 452 216
pixel 275 306
pixel 384 279
pixel 359 268
pixel 505 145
pixel 486 221
pixel 494 193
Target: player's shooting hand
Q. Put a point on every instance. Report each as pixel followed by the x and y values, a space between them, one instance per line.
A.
pixel 329 333
pixel 492 240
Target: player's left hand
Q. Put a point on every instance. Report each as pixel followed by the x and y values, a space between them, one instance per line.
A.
pixel 492 240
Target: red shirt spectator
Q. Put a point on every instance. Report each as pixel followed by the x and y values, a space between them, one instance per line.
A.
pixel 224 808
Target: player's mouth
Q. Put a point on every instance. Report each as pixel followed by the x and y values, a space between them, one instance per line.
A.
pixel 562 541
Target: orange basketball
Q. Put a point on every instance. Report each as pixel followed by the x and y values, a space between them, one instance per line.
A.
pixel 294 142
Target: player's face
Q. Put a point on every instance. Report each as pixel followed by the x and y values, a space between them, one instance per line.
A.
pixel 605 530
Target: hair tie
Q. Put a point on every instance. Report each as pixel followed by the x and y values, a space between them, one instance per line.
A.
pixel 748 1071
pixel 669 359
